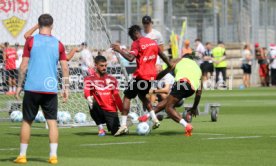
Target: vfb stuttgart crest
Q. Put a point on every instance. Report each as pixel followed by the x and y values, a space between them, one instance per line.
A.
pixel 13 14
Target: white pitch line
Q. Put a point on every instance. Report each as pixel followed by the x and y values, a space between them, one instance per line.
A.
pixel 113 143
pixel 207 134
pixel 35 128
pixel 241 137
pixel 8 149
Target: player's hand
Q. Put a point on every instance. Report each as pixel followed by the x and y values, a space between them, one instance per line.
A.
pixel 17 94
pixel 193 111
pixel 65 95
pixel 115 47
pixel 90 101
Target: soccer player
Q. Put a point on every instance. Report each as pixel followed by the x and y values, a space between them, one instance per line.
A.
pixel 220 64
pixel 263 64
pixel 40 58
pixel 207 67
pixel 145 50
pixel 186 48
pixel 103 97
pixel 150 32
pixel 187 82
pixel 10 57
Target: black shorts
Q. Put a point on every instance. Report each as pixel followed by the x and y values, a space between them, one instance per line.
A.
pixel 101 117
pixel 182 90
pixel 12 73
pixel 246 68
pixel 32 101
pixel 207 67
pixel 137 87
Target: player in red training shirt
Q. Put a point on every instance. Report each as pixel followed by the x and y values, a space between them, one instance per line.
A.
pixel 145 50
pixel 103 97
pixel 10 56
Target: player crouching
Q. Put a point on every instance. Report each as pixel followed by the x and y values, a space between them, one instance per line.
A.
pixel 103 97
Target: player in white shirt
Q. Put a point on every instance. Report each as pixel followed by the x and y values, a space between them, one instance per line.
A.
pixel 150 32
pixel 86 59
pixel 199 50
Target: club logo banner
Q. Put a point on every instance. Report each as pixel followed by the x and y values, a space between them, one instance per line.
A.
pixel 13 14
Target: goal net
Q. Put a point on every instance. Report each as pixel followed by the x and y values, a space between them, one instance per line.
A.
pixel 75 22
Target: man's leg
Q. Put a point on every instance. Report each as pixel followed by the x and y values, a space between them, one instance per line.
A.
pixel 170 109
pixel 112 121
pixel 217 75
pixel 97 115
pixel 126 106
pixel 49 104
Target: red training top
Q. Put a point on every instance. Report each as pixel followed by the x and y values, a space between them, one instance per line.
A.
pixel 146 52
pixel 104 90
pixel 11 57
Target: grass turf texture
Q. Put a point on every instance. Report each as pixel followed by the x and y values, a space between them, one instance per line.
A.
pixel 244 135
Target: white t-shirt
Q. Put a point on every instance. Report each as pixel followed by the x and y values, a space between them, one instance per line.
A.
pixel 156 36
pixel 245 53
pixel 272 54
pixel 167 79
pixel 19 60
pixel 86 59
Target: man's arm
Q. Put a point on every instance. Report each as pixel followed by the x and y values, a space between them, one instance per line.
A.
pixel 164 58
pixel 128 56
pixel 194 110
pixel 31 31
pixel 72 53
pixel 65 79
pixel 21 76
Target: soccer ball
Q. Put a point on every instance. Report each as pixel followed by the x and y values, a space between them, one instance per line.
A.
pixel 40 117
pixel 80 117
pixel 16 116
pixel 63 117
pixel 143 128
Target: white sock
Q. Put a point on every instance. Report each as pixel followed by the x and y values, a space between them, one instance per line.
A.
pixel 148 115
pixel 153 116
pixel 10 89
pixel 183 122
pixel 53 149
pixel 100 127
pixel 14 88
pixel 124 120
pixel 23 149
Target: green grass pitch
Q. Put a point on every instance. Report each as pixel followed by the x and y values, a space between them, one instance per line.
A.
pixel 245 134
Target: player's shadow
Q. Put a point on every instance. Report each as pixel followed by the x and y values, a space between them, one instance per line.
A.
pixel 28 159
pixel 96 134
pixel 170 133
pixel 32 135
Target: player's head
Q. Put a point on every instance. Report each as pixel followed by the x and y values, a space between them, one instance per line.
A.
pixel 257 45
pixel 221 44
pixel 101 64
pixel 208 45
pixel 246 47
pixel 197 41
pixel 6 44
pixel 16 45
pixel 147 23
pixel 45 20
pixel 187 43
pixel 83 45
pixel 134 32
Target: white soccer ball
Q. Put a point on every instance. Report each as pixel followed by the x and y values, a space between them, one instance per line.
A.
pixel 63 117
pixel 143 128
pixel 40 117
pixel 16 116
pixel 80 117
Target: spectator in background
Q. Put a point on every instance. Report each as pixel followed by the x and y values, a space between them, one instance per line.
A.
pixel 207 67
pixel 263 65
pixel 19 52
pixel 246 65
pixel 186 49
pixel 86 59
pixel 199 49
pixel 10 57
pixel 149 32
pixel 220 64
pixel 272 58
